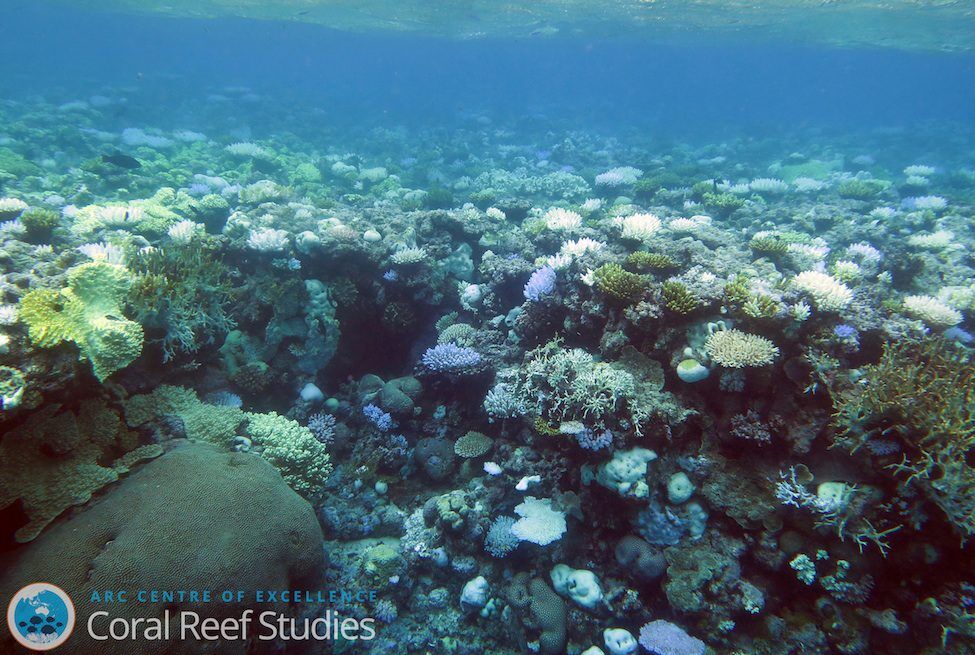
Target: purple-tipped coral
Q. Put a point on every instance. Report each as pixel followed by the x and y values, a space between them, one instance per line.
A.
pixel 449 357
pixel 378 417
pixel 541 283
pixel 665 638
pixel 322 425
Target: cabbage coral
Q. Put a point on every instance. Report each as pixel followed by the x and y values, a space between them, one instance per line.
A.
pixel 88 312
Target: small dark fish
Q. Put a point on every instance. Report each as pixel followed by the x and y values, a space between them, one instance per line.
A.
pixel 122 161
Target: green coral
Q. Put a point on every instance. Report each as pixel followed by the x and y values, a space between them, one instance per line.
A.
pixel 647 186
pixel 775 243
pixel 761 306
pixel 150 217
pixel 620 285
pixel 16 165
pixel 923 393
pixel 642 262
pixel 216 424
pixel 88 312
pixel 722 203
pixel 473 444
pixel 381 564
pixel 857 189
pixel 738 290
pixel 39 223
pixel 562 385
pixel 12 387
pixel 58 459
pixel 460 333
pixel 678 298
pixel 185 292
pixel 302 460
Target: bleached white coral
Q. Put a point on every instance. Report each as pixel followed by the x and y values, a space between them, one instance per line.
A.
pixel 562 220
pixel 408 256
pixel 768 185
pixel 12 227
pixel 539 523
pixel 11 207
pixel 917 181
pixel 812 252
pixel 267 240
pixel 864 252
pixel 932 240
pixel 684 225
pixel 808 185
pixel 827 292
pixel 934 203
pixel 495 213
pixel 184 232
pixel 932 311
pixel 118 216
pixel 105 252
pixel 581 246
pixel 591 205
pixel 8 314
pixel 559 261
pixel 619 176
pixel 639 226
pixel 741 189
pixel 919 170
pixel 248 149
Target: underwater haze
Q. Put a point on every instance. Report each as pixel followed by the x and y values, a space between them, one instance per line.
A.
pixel 565 327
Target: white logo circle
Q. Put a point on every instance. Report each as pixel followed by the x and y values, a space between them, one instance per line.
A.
pixel 40 616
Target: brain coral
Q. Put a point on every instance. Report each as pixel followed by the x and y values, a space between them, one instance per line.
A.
pixel 473 444
pixel 195 518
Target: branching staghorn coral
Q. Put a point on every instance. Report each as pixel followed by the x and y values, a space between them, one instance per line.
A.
pixel 922 393
pixel 560 385
pixel 184 291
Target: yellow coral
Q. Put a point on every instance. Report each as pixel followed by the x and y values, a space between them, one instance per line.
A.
pixel 737 349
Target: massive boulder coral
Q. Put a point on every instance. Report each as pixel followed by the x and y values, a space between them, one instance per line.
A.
pixel 196 518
